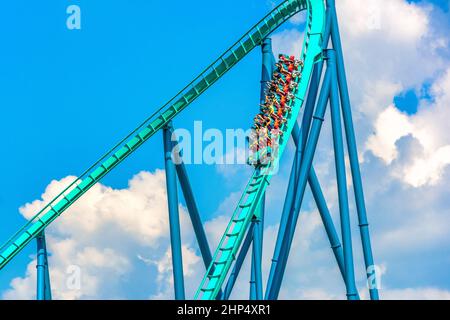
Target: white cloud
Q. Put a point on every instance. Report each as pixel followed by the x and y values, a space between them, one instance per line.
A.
pixel 288 42
pixel 428 126
pixel 103 234
pixel 390 126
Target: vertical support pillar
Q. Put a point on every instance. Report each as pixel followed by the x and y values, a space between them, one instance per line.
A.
pixel 353 152
pixel 43 291
pixel 305 168
pixel 257 256
pixel 293 178
pixel 341 181
pixel 258 233
pixel 48 288
pixel 174 219
pixel 285 215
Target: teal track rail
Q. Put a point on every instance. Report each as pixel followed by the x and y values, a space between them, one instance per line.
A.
pixel 148 128
pixel 252 195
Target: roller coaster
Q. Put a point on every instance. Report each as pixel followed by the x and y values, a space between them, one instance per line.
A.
pixel 292 88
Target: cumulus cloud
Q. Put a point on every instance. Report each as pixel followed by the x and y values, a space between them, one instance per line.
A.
pixel 103 235
pixel 427 126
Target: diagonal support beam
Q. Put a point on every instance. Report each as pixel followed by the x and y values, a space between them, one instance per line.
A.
pixel 192 207
pixel 193 211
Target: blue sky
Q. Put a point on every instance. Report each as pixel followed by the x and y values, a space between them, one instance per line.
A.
pixel 69 95
pixel 72 94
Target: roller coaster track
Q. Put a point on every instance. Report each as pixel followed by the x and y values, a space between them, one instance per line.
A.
pixel 242 216
pixel 252 195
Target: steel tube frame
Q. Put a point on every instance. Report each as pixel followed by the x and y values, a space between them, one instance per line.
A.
pixel 256 275
pixel 305 168
pixel 194 214
pixel 174 219
pixel 326 217
pixel 43 290
pixel 256 286
pixel 324 212
pixel 342 184
pixel 290 193
pixel 353 152
pixel 293 177
pixel 192 207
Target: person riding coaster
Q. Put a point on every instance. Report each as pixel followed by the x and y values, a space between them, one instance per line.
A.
pixel 281 77
pixel 281 68
pixel 293 85
pixel 296 74
pixel 275 109
pixel 293 65
pixel 291 59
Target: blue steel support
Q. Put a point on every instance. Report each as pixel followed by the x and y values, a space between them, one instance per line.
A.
pixel 327 220
pixel 238 264
pixel 174 219
pixel 290 193
pixel 353 152
pixel 194 214
pixel 252 294
pixel 48 288
pixel 292 185
pixel 305 168
pixel 310 102
pixel 257 257
pixel 342 183
pixel 256 273
pixel 43 279
pixel 193 211
pixel 325 215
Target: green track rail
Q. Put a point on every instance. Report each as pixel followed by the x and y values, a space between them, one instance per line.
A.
pixel 148 128
pixel 247 207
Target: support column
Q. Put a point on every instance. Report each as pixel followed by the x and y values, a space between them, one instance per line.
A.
pixel 43 291
pixel 285 218
pixel 257 257
pixel 321 203
pixel 305 168
pixel 174 219
pixel 293 178
pixel 256 287
pixel 342 183
pixel 353 153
